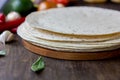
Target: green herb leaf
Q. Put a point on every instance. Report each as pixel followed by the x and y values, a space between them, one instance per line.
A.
pixel 38 65
pixel 2 52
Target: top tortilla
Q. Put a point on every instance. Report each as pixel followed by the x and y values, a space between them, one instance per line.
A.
pixel 77 21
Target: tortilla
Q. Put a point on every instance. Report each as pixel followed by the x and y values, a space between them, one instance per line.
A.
pixel 85 22
pixel 71 47
pixel 73 29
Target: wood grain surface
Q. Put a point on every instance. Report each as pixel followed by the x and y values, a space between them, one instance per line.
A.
pixel 16 64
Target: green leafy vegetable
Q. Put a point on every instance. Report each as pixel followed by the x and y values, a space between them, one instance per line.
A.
pixel 38 65
pixel 2 52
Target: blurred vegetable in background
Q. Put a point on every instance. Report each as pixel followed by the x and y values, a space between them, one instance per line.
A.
pixel 59 5
pixel 64 2
pixel 37 2
pixel 46 5
pixel 2 18
pixel 11 24
pixel 12 16
pixel 23 7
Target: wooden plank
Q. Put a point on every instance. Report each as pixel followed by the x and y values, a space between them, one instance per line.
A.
pixel 16 66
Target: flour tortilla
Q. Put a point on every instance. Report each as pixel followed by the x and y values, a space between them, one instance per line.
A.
pixel 85 22
pixel 71 47
pixel 59 38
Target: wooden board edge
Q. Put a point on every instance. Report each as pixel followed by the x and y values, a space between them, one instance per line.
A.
pixel 70 55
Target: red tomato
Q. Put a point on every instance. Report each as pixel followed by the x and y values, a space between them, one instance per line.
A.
pixel 64 2
pixel 2 18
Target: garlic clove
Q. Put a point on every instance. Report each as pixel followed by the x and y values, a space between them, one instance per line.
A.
pixel 7 36
pixel 10 38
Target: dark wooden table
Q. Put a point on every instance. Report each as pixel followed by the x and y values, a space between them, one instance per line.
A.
pixel 16 64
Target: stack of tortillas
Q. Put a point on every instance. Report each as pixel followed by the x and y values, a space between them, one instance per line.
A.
pixel 74 30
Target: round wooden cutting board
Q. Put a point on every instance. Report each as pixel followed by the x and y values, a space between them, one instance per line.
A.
pixel 70 55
